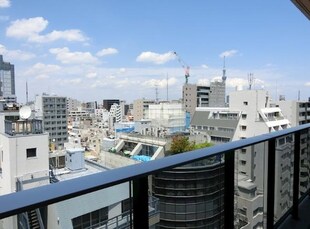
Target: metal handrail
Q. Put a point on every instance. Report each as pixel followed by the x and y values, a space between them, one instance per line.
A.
pixel 19 202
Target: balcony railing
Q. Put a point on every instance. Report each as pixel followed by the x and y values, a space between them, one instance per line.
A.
pixel 23 127
pixel 273 148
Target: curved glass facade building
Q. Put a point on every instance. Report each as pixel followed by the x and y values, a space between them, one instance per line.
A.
pixel 191 196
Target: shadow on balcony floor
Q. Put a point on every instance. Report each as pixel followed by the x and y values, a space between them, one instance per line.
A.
pixel 304 217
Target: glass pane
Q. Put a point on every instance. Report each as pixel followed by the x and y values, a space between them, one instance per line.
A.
pixel 304 162
pixel 284 172
pixel 250 185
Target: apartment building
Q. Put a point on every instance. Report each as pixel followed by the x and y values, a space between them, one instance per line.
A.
pixel 24 159
pixel 73 104
pixel 298 112
pixel 52 110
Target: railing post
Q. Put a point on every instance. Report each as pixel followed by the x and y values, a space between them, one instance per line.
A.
pixel 271 182
pixel 140 203
pixel 229 179
pixel 296 175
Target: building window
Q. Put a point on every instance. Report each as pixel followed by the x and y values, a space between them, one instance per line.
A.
pixel 31 152
pixel 90 220
pixel 243 128
pixel 245 103
pixel 242 162
pixel 244 116
pixel 126 205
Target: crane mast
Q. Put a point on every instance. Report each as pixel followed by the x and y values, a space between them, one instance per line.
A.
pixel 184 66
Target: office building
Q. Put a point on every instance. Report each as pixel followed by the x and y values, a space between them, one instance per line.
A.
pixel 7 81
pixel 52 110
pixel 107 103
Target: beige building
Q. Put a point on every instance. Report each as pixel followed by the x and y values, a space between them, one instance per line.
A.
pixel 140 108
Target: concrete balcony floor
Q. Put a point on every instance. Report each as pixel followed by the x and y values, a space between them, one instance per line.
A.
pixel 304 217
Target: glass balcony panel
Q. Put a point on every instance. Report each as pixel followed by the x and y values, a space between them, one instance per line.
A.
pixel 284 172
pixel 304 183
pixel 250 185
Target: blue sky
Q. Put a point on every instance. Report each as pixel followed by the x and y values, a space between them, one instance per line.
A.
pixel 94 50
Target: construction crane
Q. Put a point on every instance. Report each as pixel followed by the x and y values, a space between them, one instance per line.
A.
pixel 184 66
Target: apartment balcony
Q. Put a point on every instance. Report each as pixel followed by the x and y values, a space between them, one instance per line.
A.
pixel 23 127
pixel 219 207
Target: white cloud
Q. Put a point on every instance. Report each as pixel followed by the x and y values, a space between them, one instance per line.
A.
pixel 203 82
pixel 204 66
pixel 42 77
pixel 228 53
pixel 5 3
pixel 91 75
pixel 110 77
pixel 107 51
pixel 15 54
pixel 42 71
pixel 99 84
pixel 68 35
pixel 31 28
pixel 243 83
pixel 307 84
pixel 66 57
pixel 160 83
pixel 155 58
pixel 122 70
pixel 74 81
pixel 26 28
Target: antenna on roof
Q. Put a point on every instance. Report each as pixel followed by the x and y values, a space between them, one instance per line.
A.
pixel 156 92
pixel 167 87
pixel 26 92
pixel 251 80
pixel 224 77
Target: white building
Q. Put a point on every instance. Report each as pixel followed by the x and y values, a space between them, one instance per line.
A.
pixel 249 114
pixel 24 158
pixel 167 118
pixel 298 112
pixel 73 104
pixel 115 115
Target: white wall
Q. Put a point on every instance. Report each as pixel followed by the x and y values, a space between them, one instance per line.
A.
pixel 64 211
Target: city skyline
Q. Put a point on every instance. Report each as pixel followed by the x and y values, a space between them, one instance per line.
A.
pixel 105 49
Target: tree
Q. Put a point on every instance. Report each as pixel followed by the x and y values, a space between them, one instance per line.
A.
pixel 203 145
pixel 181 144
